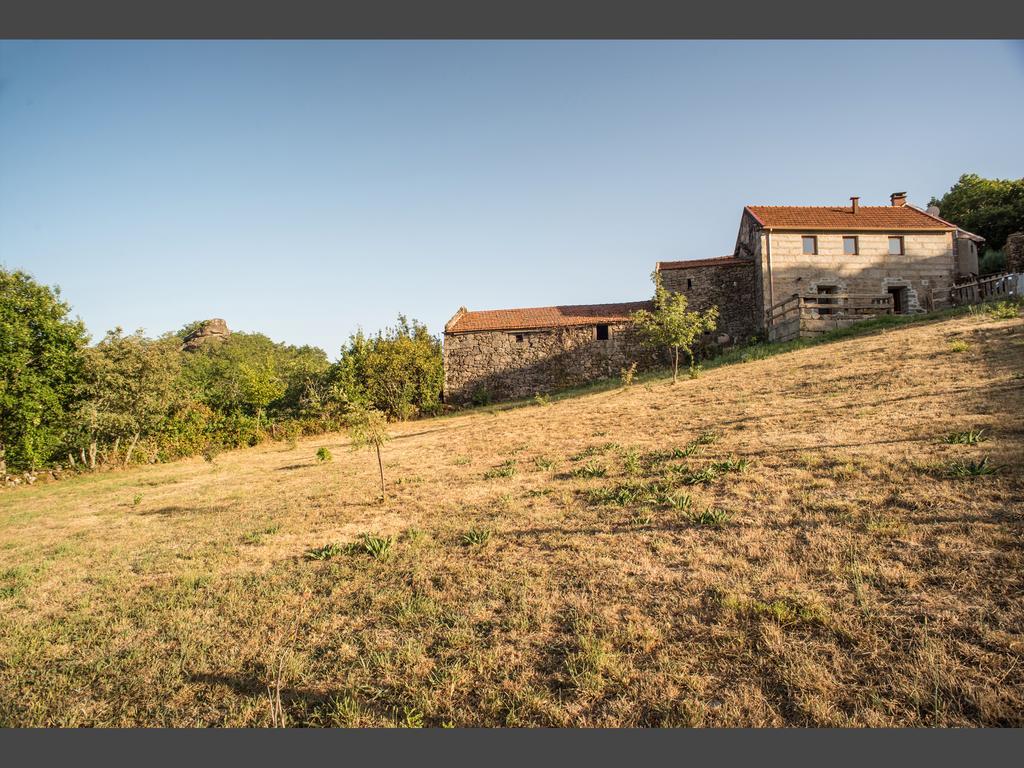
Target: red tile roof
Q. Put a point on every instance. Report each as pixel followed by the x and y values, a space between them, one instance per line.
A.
pixel 868 217
pixel 542 317
pixel 720 261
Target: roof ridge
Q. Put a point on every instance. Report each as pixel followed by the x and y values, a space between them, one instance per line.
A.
pixel 558 306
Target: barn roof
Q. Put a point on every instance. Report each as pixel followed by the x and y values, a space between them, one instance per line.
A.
pixel 530 318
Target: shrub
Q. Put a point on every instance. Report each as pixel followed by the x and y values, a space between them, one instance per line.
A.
pixel 1003 310
pixel 541 400
pixel 481 396
pixel 323 454
pixel 211 451
pixel 959 345
pixel 627 375
pixel 398 372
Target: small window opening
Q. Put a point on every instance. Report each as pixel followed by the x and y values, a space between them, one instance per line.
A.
pixel 689 282
pixel 520 337
pixel 850 246
pixel 810 243
pixel 602 333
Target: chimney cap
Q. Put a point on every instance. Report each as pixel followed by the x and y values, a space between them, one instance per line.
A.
pixel 854 202
pixel 898 198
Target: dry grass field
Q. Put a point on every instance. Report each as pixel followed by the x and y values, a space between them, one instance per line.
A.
pixel 820 538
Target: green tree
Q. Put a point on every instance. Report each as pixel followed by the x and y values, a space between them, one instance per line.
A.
pixel 399 371
pixel 992 208
pixel 40 357
pixel 368 428
pixel 250 374
pixel 671 325
pixel 128 386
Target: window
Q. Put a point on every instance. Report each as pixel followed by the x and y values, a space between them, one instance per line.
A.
pixel 895 246
pixel 689 282
pixel 520 337
pixel 850 246
pixel 810 245
pixel 602 333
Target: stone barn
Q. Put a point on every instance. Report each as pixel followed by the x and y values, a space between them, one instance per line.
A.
pixel 505 354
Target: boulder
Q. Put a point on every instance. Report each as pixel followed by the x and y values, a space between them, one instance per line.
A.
pixel 212 329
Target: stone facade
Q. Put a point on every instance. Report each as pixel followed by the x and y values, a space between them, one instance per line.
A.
pixel 1014 250
pixel 926 269
pixel 727 283
pixel 509 364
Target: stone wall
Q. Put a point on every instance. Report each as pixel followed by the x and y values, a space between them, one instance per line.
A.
pixel 729 286
pixel 495 363
pixel 926 269
pixel 1014 250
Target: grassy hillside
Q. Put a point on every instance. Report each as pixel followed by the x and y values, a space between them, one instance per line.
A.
pixel 817 538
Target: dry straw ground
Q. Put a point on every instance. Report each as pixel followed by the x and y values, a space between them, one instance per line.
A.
pixel 779 542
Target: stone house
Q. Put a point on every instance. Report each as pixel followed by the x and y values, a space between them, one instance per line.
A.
pixel 513 353
pixel 795 270
pixel 898 252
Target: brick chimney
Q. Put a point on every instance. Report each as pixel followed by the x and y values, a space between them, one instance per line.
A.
pixel 854 203
pixel 898 199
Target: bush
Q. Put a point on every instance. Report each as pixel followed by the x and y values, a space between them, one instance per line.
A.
pixel 398 372
pixel 323 455
pixel 991 263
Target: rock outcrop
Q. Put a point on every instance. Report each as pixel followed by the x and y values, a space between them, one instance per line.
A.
pixel 209 330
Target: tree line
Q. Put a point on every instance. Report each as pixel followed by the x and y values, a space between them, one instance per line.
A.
pixel 130 399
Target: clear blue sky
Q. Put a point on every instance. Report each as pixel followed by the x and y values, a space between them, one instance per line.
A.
pixel 303 189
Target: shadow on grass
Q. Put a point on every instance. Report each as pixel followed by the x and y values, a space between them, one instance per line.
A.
pixel 175 510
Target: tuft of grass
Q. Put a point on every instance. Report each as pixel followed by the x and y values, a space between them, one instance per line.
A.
pixel 505 469
pixel 970 437
pixel 706 437
pixel 712 517
pixel 326 552
pixel 677 501
pixel 732 464
pixel 323 454
pixel 461 461
pixel 476 537
pixel 136 499
pixel 590 469
pixel 959 345
pixel 972 468
pixel 256 537
pixel 641 519
pixel 543 463
pixel 704 476
pixel 378 547
pixel 631 461
pixel 542 400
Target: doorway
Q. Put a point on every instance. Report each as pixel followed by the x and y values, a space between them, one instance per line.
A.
pixel 899 300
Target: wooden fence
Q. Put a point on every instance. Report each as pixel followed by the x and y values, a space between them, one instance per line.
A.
pixel 984 289
pixel 850 305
